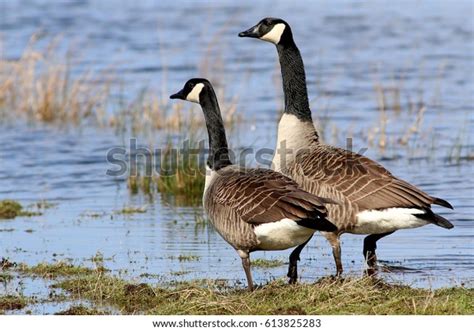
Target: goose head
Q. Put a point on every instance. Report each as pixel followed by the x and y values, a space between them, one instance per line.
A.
pixel 274 30
pixel 193 90
pixel 200 90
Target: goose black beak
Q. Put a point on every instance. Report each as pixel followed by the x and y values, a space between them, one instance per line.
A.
pixel 251 33
pixel 178 95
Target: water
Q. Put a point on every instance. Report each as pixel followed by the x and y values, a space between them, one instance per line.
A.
pixel 347 46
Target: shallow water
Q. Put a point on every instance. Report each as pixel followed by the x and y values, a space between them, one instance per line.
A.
pixel 347 46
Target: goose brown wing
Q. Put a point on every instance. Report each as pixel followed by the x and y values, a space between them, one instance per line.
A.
pixel 362 181
pixel 263 196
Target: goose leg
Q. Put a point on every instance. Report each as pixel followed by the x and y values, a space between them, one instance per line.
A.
pixel 246 264
pixel 294 258
pixel 333 239
pixel 370 245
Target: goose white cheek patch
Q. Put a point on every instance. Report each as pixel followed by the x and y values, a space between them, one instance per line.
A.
pixel 274 35
pixel 193 96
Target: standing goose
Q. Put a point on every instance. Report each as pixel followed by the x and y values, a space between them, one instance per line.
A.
pixel 370 199
pixel 252 209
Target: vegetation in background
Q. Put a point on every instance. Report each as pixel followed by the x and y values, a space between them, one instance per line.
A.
pixel 181 178
pixel 40 86
pixel 182 175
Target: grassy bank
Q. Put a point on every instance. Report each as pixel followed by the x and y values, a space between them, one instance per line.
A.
pixel 347 296
pixel 327 296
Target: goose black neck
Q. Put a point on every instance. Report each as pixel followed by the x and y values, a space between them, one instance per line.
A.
pixel 294 81
pixel 218 149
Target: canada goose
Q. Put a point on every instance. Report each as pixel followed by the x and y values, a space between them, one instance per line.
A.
pixel 371 200
pixel 252 209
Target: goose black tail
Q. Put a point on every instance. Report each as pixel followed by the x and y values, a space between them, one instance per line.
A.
pixel 436 219
pixel 441 202
pixel 442 222
pixel 319 223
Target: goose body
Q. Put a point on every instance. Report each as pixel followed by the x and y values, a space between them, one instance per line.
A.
pixel 252 209
pixel 260 209
pixel 370 200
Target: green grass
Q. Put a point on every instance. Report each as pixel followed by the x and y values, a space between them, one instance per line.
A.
pixel 181 178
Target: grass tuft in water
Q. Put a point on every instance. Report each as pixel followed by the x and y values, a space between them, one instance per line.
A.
pixel 132 210
pixel 266 264
pixel 181 178
pixel 9 209
pixel 188 258
pixel 182 175
pixel 58 269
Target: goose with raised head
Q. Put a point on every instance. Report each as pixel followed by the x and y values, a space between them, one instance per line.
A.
pixel 252 209
pixel 370 199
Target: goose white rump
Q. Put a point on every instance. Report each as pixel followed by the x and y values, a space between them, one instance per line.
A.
pixel 281 235
pixel 388 220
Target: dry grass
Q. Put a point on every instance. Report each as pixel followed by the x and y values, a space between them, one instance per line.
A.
pixel 42 85
pixel 407 115
pixel 328 296
pixel 39 86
